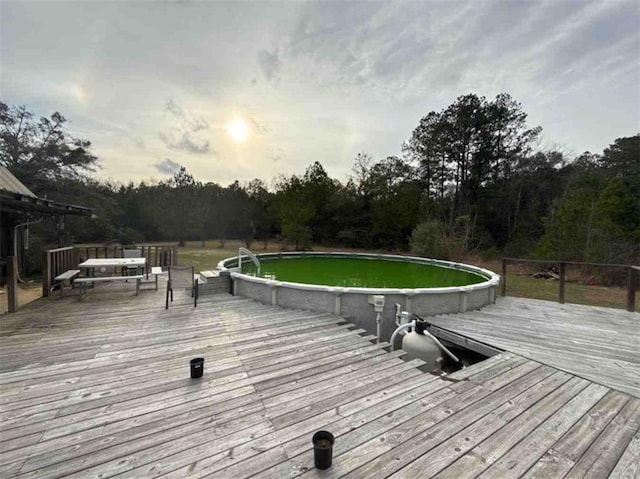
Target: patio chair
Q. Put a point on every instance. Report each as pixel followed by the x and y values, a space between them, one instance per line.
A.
pixel 182 277
pixel 131 253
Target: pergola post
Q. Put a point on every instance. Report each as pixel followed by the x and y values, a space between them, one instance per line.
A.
pixel 46 274
pixel 12 284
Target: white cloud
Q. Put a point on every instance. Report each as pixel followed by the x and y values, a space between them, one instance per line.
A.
pixel 270 64
pixel 184 134
pixel 167 166
pixel 182 140
pixel 340 78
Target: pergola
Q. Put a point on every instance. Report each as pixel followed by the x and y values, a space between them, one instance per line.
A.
pixel 18 207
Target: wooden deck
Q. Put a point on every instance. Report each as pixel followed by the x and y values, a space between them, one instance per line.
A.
pixel 599 344
pixel 101 388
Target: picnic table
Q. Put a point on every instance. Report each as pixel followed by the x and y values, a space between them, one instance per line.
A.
pixel 92 264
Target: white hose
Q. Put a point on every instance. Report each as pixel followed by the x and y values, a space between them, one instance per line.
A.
pixel 15 244
pixel 441 346
pixel 399 329
pixel 412 324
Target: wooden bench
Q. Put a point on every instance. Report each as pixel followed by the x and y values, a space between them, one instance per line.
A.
pixel 83 282
pixel 61 279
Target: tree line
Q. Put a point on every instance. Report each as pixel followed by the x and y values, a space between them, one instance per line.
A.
pixel 471 178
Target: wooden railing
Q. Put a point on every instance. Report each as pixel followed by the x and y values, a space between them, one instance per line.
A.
pixel 59 260
pixel 633 272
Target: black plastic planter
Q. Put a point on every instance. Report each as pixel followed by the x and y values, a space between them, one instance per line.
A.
pixel 322 449
pixel 197 367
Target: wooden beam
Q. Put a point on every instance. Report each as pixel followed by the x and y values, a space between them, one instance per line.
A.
pixel 463 341
pixel 631 290
pixel 563 273
pixel 46 274
pixel 12 284
pixel 572 263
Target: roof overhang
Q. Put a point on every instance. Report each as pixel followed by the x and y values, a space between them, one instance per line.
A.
pixel 19 203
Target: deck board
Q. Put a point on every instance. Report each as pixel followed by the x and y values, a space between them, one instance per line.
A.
pixel 599 344
pixel 100 388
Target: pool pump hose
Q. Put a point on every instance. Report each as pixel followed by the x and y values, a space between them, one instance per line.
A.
pixel 420 326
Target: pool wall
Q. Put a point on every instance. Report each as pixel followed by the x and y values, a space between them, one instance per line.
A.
pixel 353 303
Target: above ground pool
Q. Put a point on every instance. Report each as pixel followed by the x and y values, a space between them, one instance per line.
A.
pixel 344 283
pixel 357 272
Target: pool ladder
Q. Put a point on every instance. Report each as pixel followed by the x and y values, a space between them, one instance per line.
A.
pixel 251 256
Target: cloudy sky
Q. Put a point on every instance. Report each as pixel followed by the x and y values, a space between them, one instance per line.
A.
pixel 243 90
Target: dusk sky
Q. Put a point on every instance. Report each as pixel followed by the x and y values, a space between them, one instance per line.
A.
pixel 244 90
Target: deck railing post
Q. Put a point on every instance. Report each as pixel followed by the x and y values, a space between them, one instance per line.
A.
pixel 503 282
pixel 631 290
pixel 563 271
pixel 12 284
pixel 46 274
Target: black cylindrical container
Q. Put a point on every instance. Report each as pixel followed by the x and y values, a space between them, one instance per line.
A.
pixel 197 367
pixel 322 449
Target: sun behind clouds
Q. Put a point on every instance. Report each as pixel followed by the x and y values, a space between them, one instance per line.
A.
pixel 238 130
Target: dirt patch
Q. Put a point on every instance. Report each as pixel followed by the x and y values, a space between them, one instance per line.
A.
pixel 26 294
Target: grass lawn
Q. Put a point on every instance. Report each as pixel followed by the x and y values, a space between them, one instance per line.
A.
pixel 207 257
pixel 574 291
